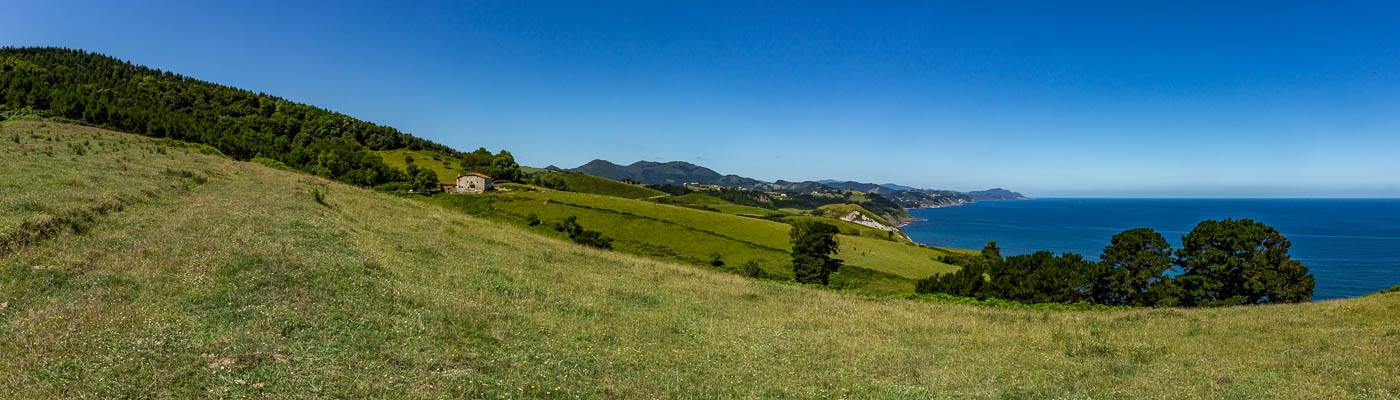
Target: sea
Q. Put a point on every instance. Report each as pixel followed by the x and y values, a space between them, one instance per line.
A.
pixel 1351 246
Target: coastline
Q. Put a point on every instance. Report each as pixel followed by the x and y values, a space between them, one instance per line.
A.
pixel 913 219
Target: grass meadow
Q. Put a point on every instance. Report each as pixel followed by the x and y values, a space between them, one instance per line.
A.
pixel 692 235
pixel 249 284
pixel 584 183
pixel 704 201
pixel 444 166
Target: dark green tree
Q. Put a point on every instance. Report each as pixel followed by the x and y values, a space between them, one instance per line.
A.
pixel 968 281
pixel 1136 263
pixel 813 243
pixel 1042 277
pixel 716 259
pixel 582 236
pixel 504 168
pixel 991 251
pixel 423 180
pixel 478 161
pixel 1240 262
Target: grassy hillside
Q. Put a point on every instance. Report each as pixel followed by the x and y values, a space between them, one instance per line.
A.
pixel 841 210
pixel 216 278
pixel 446 167
pixel 704 201
pixel 584 183
pixel 692 235
pixel 243 124
pixel 854 229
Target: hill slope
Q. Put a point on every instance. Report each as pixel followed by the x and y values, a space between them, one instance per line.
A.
pixel 104 91
pixel 655 173
pixel 217 278
pixel 584 183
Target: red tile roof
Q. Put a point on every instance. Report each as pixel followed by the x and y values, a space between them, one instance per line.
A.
pixel 473 174
pixel 448 183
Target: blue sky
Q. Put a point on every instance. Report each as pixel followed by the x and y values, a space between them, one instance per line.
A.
pixel 1134 99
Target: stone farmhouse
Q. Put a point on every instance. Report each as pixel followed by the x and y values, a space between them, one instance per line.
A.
pixel 468 183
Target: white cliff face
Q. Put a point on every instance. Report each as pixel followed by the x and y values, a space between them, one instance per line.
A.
pixel 860 218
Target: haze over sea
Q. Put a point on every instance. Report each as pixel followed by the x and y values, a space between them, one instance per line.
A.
pixel 1351 246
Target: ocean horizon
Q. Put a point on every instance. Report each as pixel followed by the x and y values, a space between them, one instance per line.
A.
pixel 1350 245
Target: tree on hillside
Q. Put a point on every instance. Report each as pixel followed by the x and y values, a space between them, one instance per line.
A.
pixel 504 168
pixel 1136 263
pixel 968 281
pixel 582 236
pixel 1042 277
pixel 421 180
pixel 813 243
pixel 1240 262
pixel 991 251
pixel 478 161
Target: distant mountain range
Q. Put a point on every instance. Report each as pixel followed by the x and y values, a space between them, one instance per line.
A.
pixel 680 172
pixel 667 173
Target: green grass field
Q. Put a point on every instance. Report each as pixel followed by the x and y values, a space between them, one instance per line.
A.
pixel 446 167
pixel 650 237
pixel 853 229
pixel 704 201
pixel 225 279
pixel 584 183
pixel 644 226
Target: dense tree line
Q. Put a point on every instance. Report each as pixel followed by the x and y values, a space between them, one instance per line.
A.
pixel 111 93
pixel 1226 262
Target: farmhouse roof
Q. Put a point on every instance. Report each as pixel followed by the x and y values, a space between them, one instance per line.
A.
pixel 448 183
pixel 473 174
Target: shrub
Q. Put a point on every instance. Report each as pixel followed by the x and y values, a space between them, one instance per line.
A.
pixel 1393 289
pixel 751 269
pixel 532 219
pixel 716 259
pixel 319 195
pixel 593 239
pixel 582 236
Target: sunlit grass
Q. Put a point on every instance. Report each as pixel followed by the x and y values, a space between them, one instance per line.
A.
pixel 244 286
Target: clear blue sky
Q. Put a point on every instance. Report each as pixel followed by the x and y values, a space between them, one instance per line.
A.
pixel 1094 99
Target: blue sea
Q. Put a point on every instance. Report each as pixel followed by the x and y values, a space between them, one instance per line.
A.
pixel 1351 246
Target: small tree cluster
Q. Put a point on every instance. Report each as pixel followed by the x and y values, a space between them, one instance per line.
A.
pixel 504 168
pixel 582 236
pixel 421 180
pixel 1220 263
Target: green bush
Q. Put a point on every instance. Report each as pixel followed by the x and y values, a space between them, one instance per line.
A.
pixel 752 270
pixel 716 259
pixel 532 219
pixel 319 195
pixel 582 236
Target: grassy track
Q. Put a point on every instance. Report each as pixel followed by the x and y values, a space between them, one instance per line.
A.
pixel 245 286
